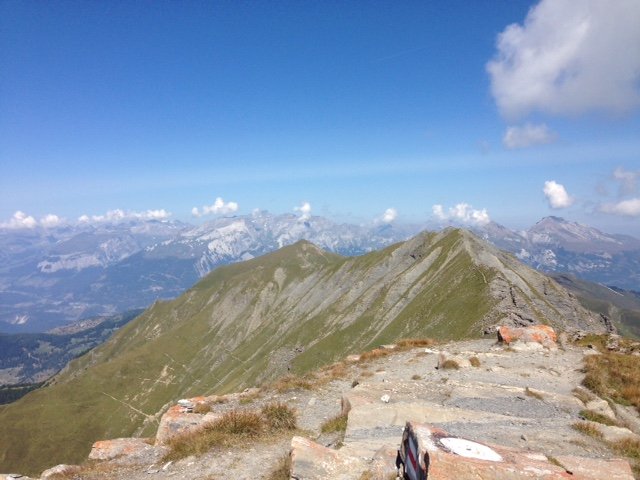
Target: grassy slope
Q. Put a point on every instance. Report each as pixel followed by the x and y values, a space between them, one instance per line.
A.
pixel 242 325
pixel 622 307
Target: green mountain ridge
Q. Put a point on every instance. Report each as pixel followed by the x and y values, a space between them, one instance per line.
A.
pixel 293 310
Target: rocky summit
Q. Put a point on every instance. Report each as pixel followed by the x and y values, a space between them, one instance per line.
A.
pixel 293 310
pixel 504 411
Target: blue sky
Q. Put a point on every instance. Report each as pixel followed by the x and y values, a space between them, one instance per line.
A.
pixel 352 107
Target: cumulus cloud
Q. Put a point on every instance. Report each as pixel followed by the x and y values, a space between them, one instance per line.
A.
pixel 20 220
pixel 50 220
pixel 389 215
pixel 557 195
pixel 118 215
pixel 569 57
pixel 305 210
pixel 219 207
pixel 527 135
pixel 462 213
pixel 627 208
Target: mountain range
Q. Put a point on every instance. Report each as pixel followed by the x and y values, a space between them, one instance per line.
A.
pixel 50 277
pixel 289 311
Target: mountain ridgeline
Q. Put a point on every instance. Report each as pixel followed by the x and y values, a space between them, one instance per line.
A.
pixel 292 310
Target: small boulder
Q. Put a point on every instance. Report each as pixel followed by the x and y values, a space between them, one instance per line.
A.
pixel 542 334
pixel 178 420
pixel 310 460
pixel 448 457
pixel 61 469
pixel 128 450
pixel 602 407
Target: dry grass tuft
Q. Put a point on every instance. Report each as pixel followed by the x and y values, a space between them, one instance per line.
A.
pixel 375 353
pixel 597 417
pixel 335 424
pixel 474 361
pixel 450 365
pixel 532 393
pixel 233 428
pixel 202 408
pixel 279 416
pixel 615 376
pixel 585 396
pixel 629 447
pixel 282 470
pixel 336 371
pixel 292 382
pixel 406 343
pixel 588 429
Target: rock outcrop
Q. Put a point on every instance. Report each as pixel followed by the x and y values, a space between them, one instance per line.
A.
pixel 520 405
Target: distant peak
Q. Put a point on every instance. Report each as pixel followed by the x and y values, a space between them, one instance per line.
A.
pixel 553 218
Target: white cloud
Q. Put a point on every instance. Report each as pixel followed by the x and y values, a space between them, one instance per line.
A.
pixel 462 213
pixel 628 208
pixel 305 210
pixel 557 195
pixel 160 214
pixel 389 215
pixel 20 220
pixel 118 215
pixel 527 136
pixel 219 207
pixel 50 220
pixel 569 57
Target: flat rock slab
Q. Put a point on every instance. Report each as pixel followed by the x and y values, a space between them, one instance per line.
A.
pixel 312 461
pixel 444 457
pixel 178 420
pixel 130 450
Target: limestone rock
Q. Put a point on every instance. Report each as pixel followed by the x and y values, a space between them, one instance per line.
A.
pixel 602 407
pixel 614 434
pixel 179 419
pixel 614 469
pixel 310 460
pixel 61 469
pixel 128 450
pixel 542 334
pixel 445 457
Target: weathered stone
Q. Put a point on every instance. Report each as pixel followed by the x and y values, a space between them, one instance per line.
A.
pixel 615 469
pixel 383 464
pixel 614 434
pixel 352 400
pixel 629 417
pixel 444 457
pixel 542 334
pixel 602 407
pixel 61 469
pixel 177 420
pixel 310 460
pixel 129 450
pixel 458 360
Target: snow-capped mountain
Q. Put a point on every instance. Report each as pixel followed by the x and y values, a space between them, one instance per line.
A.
pixel 49 277
pixel 557 245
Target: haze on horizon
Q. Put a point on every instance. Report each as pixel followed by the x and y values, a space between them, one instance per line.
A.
pixel 402 112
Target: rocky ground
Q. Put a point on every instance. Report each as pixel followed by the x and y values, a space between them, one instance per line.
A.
pixel 523 396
